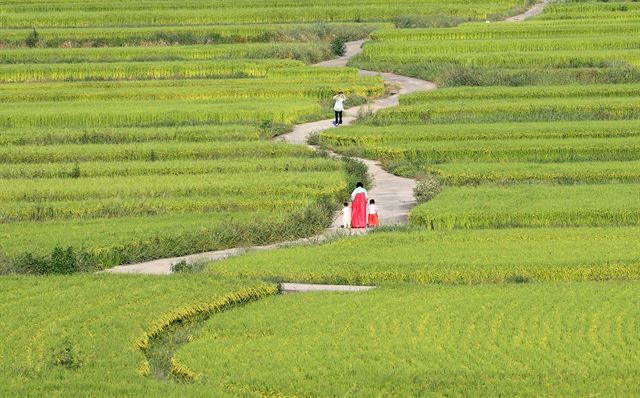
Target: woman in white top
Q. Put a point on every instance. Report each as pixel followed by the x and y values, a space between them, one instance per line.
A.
pixel 338 107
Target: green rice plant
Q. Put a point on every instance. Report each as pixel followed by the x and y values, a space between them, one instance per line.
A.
pixel 370 136
pixel 450 256
pixel 142 70
pixel 553 173
pixel 530 206
pixel 504 150
pixel 596 47
pixel 194 89
pixel 535 92
pixel 127 207
pixel 254 13
pixel 307 52
pixel 202 34
pixel 154 113
pixel 114 135
pixel 407 340
pixel 518 60
pixel 150 152
pixel 426 49
pixel 299 162
pixel 215 185
pixel 507 110
pixel 101 347
pixel 533 29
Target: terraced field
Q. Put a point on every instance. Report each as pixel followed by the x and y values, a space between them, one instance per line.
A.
pixel 563 339
pixel 90 334
pixel 142 130
pixel 582 42
pixel 117 154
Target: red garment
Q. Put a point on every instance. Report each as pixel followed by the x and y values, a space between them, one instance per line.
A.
pixel 359 211
pixel 373 220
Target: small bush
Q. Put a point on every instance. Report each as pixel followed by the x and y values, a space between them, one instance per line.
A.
pixel 428 187
pixel 62 261
pixel 428 21
pixel 33 39
pixel 270 129
pixel 338 46
pixel 66 356
pixel 75 171
pixel 519 279
pixel 188 268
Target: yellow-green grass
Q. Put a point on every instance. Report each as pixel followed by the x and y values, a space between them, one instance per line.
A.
pixel 197 89
pixel 311 52
pixel 582 42
pixel 482 110
pixel 533 28
pixel 82 335
pixel 531 206
pixel 559 91
pixel 198 13
pixel 142 70
pixel 296 163
pixel 553 173
pixel 371 136
pixel 519 150
pixel 110 36
pixel 150 151
pixel 123 210
pixel 103 234
pixel 551 339
pixel 123 135
pixel 154 113
pixel 55 199
pixel 457 256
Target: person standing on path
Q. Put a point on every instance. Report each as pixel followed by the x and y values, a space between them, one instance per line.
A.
pixel 338 107
pixel 346 216
pixel 359 207
pixel 373 214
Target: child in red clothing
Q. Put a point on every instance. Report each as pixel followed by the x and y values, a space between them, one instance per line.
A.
pixel 373 214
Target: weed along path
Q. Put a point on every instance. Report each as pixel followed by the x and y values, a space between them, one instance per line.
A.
pixel 394 195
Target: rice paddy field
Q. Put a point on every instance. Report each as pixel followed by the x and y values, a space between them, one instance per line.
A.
pixel 132 131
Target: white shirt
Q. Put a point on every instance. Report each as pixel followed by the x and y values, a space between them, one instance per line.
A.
pixel 373 209
pixel 339 105
pixel 357 191
pixel 346 216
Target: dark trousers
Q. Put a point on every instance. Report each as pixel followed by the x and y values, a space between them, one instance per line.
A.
pixel 338 117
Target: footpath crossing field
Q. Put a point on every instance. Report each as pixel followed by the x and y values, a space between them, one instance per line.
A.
pixel 132 131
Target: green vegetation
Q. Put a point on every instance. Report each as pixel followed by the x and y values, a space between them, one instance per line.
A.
pixel 555 173
pixel 458 256
pixel 560 339
pixel 184 35
pixel 94 14
pixel 571 43
pixel 531 205
pixel 87 334
pixel 133 131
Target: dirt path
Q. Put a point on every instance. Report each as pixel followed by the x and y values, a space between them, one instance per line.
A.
pixel 394 195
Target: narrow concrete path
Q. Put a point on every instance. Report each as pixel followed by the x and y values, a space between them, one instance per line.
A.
pixel 533 11
pixel 305 288
pixel 394 195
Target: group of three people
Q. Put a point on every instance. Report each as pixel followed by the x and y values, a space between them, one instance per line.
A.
pixel 359 215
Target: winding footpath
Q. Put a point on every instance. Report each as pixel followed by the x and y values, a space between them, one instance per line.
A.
pixel 394 195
